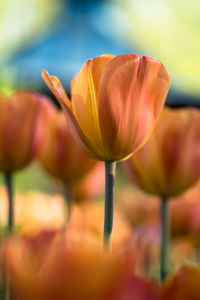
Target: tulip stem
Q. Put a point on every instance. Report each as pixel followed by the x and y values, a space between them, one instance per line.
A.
pixel 9 186
pixel 68 201
pixel 109 197
pixel 165 238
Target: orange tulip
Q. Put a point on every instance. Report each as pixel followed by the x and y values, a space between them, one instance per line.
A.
pixel 138 288
pixel 21 262
pixel 60 155
pixel 22 123
pixel 115 103
pixel 91 186
pixel 84 226
pixel 28 218
pixel 169 162
pixel 184 285
pixel 50 266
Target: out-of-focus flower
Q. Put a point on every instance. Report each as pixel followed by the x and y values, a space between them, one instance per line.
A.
pixel 91 186
pixel 138 288
pixel 49 267
pixel 115 103
pixel 59 154
pixel 185 214
pixel 86 223
pixel 138 206
pixel 146 245
pixel 22 122
pixel 169 163
pixel 22 260
pixel 184 285
pixel 34 211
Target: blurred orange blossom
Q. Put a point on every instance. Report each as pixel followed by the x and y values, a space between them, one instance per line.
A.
pixel 91 186
pixel 184 285
pixel 169 162
pixel 23 118
pixel 51 266
pixel 59 154
pixel 115 103
pixel 34 211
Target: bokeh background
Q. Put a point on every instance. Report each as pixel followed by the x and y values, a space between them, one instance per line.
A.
pixel 60 35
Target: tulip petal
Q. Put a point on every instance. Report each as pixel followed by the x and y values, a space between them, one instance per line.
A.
pixel 56 87
pixel 130 83
pixel 85 98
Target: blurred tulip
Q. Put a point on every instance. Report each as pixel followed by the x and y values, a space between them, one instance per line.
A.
pixel 34 211
pixel 21 262
pixel 115 103
pixel 50 266
pixel 83 225
pixel 169 163
pixel 22 124
pixel 184 285
pixel 137 206
pixel 91 186
pixel 138 288
pixel 185 213
pixel 59 154
pixel 146 246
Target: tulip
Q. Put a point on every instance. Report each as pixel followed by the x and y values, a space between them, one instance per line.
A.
pixel 169 163
pixel 22 123
pixel 49 266
pixel 28 218
pixel 91 186
pixel 138 288
pixel 21 262
pixel 59 154
pixel 62 158
pixel 138 206
pixel 113 97
pixel 184 285
pixel 83 225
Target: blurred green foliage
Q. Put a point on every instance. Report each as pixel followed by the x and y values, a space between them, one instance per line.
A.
pixel 168 30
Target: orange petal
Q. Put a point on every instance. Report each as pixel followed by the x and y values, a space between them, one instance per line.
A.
pixel 56 87
pixel 85 88
pixel 184 285
pixel 132 92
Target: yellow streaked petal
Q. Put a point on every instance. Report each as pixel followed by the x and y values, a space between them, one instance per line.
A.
pixel 85 88
pixel 56 87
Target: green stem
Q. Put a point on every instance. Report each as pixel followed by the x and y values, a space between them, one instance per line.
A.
pixel 68 201
pixel 9 186
pixel 109 197
pixel 165 238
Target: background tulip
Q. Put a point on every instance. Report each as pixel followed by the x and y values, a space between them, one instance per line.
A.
pixel 62 158
pixel 50 266
pixel 22 123
pixel 91 186
pixel 23 119
pixel 34 211
pixel 184 285
pixel 60 155
pixel 169 162
pixel 138 288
